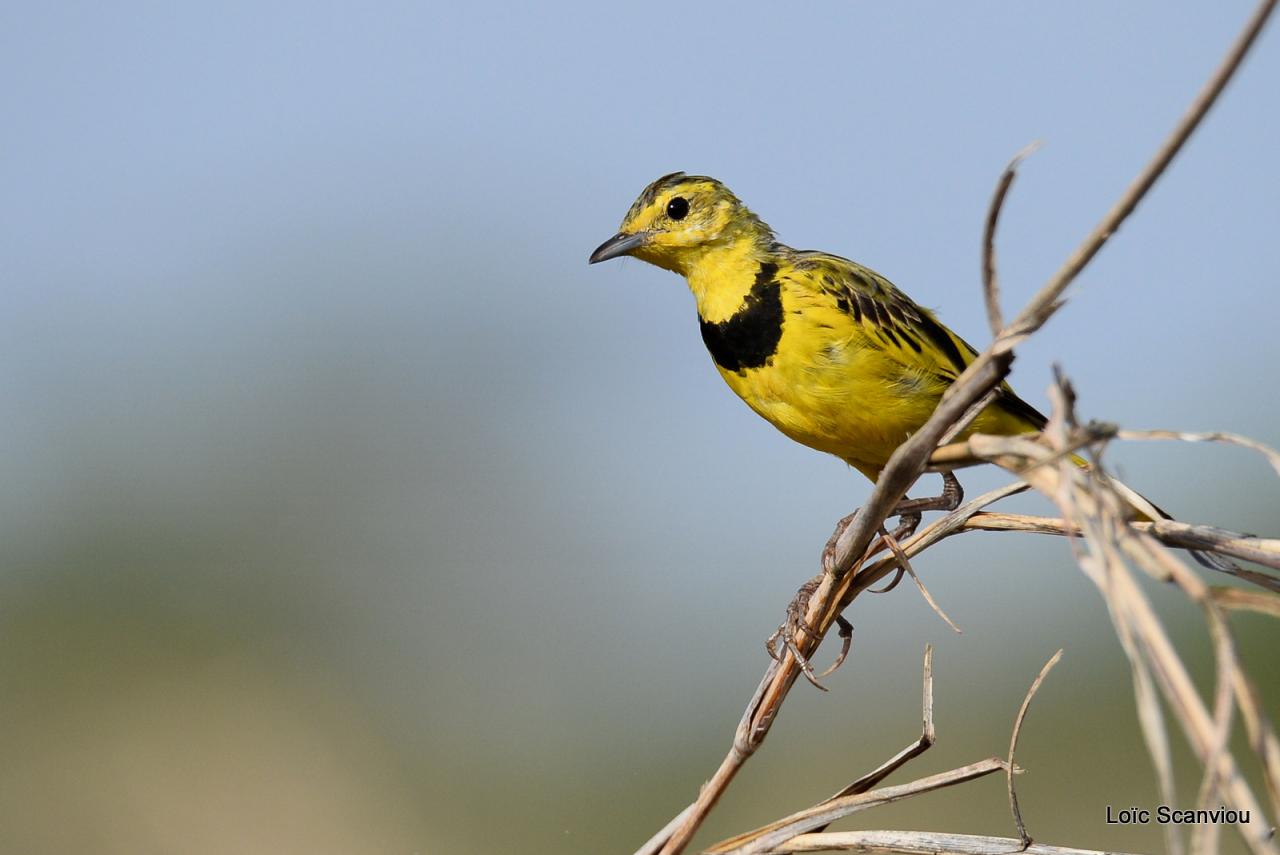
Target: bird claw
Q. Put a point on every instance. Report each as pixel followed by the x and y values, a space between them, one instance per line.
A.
pixel 908 512
pixel 795 623
pixel 846 642
pixel 893 583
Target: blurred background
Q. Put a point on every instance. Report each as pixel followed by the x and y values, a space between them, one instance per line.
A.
pixel 346 509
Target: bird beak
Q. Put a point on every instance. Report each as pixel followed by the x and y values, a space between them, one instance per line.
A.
pixel 619 244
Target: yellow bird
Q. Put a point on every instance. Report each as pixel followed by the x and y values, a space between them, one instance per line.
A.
pixel 827 351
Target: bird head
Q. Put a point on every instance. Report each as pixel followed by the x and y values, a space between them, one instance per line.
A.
pixel 679 219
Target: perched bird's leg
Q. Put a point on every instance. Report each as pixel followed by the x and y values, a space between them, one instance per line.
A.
pixel 799 605
pixel 908 522
pixel 786 631
pixel 794 622
pixel 909 513
pixel 952 494
pixel 829 551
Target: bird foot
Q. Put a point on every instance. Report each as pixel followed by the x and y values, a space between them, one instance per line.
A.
pixel 795 623
pixel 950 499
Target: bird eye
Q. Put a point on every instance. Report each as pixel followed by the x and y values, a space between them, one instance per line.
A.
pixel 677 208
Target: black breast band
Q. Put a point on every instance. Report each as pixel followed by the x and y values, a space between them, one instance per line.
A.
pixel 749 338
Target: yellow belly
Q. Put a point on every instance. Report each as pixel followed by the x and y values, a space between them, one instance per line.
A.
pixel 847 397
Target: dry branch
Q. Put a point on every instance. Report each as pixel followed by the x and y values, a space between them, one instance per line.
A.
pixel 922 843
pixel 990 279
pixel 849 574
pixel 772 837
pixel 1091 504
pixel 1249 547
pixel 928 735
pixel 820 816
pixel 1013 747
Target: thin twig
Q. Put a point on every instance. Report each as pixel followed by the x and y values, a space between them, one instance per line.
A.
pixel 1242 600
pixel 1038 311
pixel 655 843
pixel 1013 747
pixel 1204 837
pixel 1262 737
pixel 990 279
pixel 905 564
pixel 1203 538
pixel 772 837
pixel 975 410
pixel 819 816
pixel 863 784
pixel 1272 456
pixel 922 843
pixel 928 736
pixel 1151 720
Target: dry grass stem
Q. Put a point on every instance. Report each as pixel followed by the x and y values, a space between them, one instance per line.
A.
pixel 1265 551
pixel 927 737
pixel 858 796
pixel 904 564
pixel 922 843
pixel 990 279
pixel 767 838
pixel 1092 506
pixel 1272 456
pixel 1238 599
pixel 1013 746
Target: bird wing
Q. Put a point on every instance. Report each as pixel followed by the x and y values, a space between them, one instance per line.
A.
pixel 905 331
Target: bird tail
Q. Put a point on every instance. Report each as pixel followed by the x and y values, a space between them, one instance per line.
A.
pixel 1149 511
